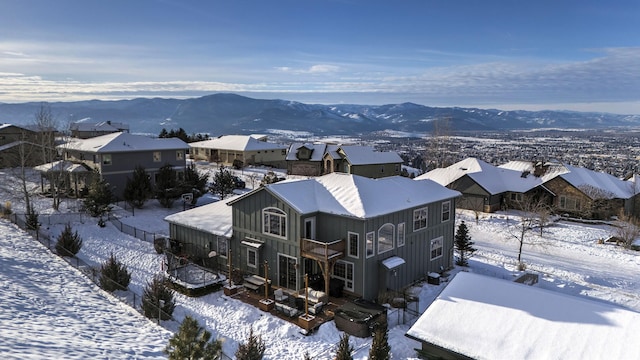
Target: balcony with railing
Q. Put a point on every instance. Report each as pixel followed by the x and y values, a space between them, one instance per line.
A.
pixel 322 251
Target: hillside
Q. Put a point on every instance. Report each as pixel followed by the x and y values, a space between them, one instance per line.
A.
pixel 222 113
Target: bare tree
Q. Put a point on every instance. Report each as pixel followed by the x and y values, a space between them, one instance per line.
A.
pixel 531 207
pixel 627 229
pixel 45 126
pixel 437 145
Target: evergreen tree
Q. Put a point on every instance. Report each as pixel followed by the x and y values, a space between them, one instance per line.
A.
pixel 163 133
pixel 154 292
pixel 193 342
pixel 114 275
pixel 138 189
pixel 194 182
pixel 380 349
pixel 306 356
pixel 253 349
pixel 98 200
pixel 69 243
pixel 167 187
pixel 344 348
pixel 31 219
pixel 222 183
pixel 463 245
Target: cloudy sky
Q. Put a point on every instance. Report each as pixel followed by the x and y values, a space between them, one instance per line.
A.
pixel 543 54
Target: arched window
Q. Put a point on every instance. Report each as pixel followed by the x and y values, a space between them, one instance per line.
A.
pixel 385 238
pixel 274 222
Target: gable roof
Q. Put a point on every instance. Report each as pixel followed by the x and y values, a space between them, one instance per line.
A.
pixel 605 185
pixel 238 143
pixel 364 155
pixel 488 318
pixel 316 155
pixel 98 126
pixel 493 179
pixel 214 218
pixel 357 196
pixel 124 142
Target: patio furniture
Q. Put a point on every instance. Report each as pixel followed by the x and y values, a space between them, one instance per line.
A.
pixel 280 295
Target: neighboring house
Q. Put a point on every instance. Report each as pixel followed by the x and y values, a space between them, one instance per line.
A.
pixel 240 150
pixel 485 187
pixel 305 159
pixel 361 160
pixel 117 155
pixel 370 235
pixel 480 317
pixel 582 192
pixel 21 146
pixel 85 130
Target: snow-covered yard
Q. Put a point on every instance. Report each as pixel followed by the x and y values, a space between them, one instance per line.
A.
pixel 73 318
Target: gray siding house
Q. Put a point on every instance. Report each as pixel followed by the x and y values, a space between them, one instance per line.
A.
pixel 116 156
pixel 361 160
pixel 371 235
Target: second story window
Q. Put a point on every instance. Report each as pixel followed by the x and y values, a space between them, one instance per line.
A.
pixel 446 211
pixel 274 222
pixel 370 236
pixel 385 238
pixel 419 219
pixel 400 234
pixel 354 240
pixel 157 156
pixel 106 159
pixel 180 155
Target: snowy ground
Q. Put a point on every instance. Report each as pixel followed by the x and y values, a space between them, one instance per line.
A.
pixel 62 314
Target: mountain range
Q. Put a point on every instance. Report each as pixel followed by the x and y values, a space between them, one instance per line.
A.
pixel 225 113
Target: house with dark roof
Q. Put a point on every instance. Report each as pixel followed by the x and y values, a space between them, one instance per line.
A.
pixel 361 160
pixel 24 146
pixel 369 236
pixel 115 156
pixel 86 129
pixel 240 150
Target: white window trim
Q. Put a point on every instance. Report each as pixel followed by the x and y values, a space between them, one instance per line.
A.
pixel 370 235
pixel 273 211
pixel 357 255
pixel 222 240
pixel 102 158
pixel 254 251
pixel 404 234
pixel 346 280
pixel 393 238
pixel 431 248
pixel 442 211
pixel 426 218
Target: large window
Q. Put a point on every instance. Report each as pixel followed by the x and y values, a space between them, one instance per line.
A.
pixel 252 258
pixel 436 248
pixel 179 154
pixel 344 271
pixel 274 222
pixel 569 203
pixel 446 211
pixel 400 234
pixel 222 247
pixel 385 238
pixel 369 239
pixel 419 219
pixel 157 156
pixel 354 246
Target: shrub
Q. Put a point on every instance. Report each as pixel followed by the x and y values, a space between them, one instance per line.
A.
pixel 159 244
pixel 344 350
pixel 192 342
pixel 253 349
pixel 114 275
pixel 69 243
pixel 155 292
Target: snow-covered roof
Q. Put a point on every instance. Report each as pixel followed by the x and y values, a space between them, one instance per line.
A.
pixel 99 126
pixel 363 155
pixel 238 143
pixel 214 218
pixel 358 196
pixel 494 179
pixel 488 318
pixel 124 142
pixel 61 166
pixel 606 185
pixel 316 155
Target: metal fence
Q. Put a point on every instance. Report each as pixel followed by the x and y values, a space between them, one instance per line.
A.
pixel 128 296
pixel 143 235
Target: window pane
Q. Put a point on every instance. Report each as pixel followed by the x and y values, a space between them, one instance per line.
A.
pixel 353 244
pixel 370 244
pixel 385 238
pixel 401 234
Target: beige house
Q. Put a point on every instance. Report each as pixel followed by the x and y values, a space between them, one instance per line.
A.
pixel 240 150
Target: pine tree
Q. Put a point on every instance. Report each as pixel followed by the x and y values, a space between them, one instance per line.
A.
pixel 380 349
pixel 253 349
pixel 31 220
pixel 98 200
pixel 194 182
pixel 138 189
pixel 154 292
pixel 192 342
pixel 222 183
pixel 344 348
pixel 463 245
pixel 167 189
pixel 114 275
pixel 68 242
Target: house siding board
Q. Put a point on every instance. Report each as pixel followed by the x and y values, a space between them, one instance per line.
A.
pixel 374 170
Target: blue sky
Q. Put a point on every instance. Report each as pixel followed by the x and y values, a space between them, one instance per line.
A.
pixel 548 54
